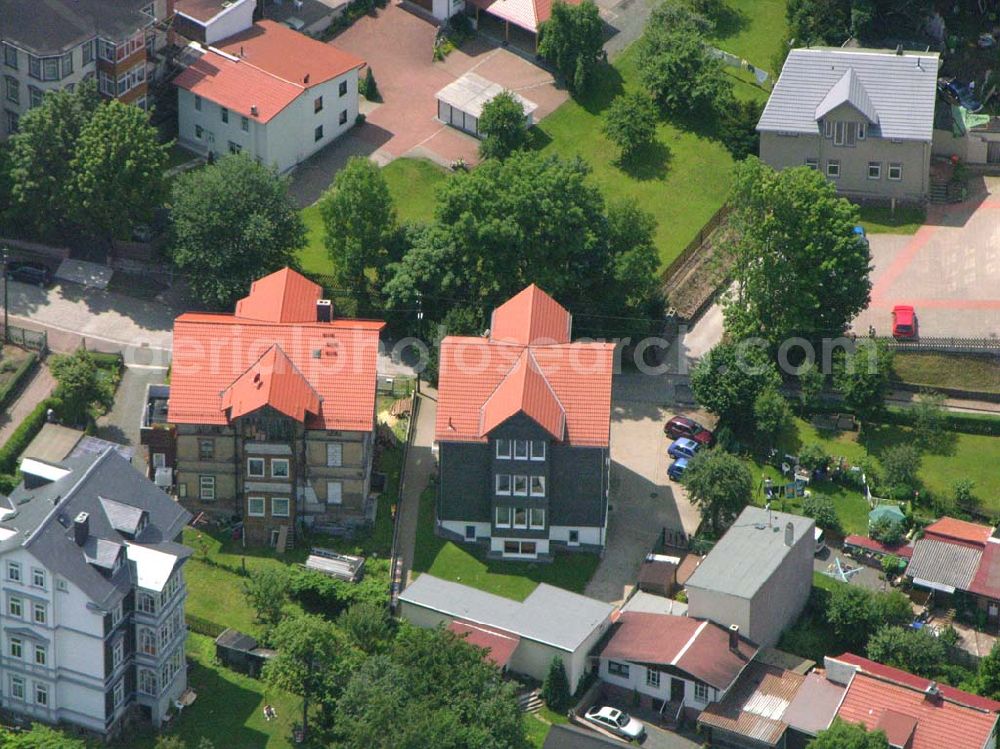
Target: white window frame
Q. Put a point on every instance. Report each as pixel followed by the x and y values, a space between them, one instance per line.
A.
pixel 62 586
pixel 835 164
pixel 288 507
pixel 41 655
pixel 520 449
pixel 862 130
pixel 828 128
pixel 701 691
pixel 159 460
pixel 148 682
pixel 812 164
pixel 898 168
pixel 250 505
pixel 540 455
pixel 523 525
pixel 116 615
pixel 41 690
pixel 39 613
pixel 285 463
pixel 255 474
pixel 570 540
pixel 334 454
pixel 503 517
pixel 652 678
pixel 118 653
pixel 540 492
pixel 519 478
pixel 503 454
pixel 17 687
pixel 839 133
pixel 532 513
pixel 18 603
pixel 496 484
pixel 206 488
pixel 118 694
pixel 337 497
pixel 14 572
pixel 877 165
pixel 15 648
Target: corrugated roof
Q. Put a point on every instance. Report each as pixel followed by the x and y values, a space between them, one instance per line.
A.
pixel 701 648
pixel 959 530
pixel 937 721
pixel 334 362
pixel 549 615
pixel 987 579
pixel 944 563
pixel 755 706
pixel 896 91
pixel 749 552
pixel 526 365
pixel 499 645
pixel 472 92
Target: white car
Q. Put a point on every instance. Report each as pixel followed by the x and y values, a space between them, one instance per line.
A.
pixel 619 723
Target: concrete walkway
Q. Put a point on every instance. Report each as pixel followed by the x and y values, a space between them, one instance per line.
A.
pixel 420 464
pixel 39 388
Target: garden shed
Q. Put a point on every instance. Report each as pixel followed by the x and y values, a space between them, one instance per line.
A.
pixel 461 102
pixel 240 652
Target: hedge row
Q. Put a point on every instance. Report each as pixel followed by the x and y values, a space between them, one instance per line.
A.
pixel 108 361
pixel 25 432
pixel 202 626
pixel 10 389
pixel 969 423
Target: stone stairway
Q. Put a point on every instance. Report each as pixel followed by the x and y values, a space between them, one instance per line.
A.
pixel 530 702
pixel 946 191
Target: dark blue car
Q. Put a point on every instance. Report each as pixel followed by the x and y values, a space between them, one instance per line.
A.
pixel 955 91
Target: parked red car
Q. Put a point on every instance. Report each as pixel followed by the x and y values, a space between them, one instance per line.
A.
pixel 682 426
pixel 904 321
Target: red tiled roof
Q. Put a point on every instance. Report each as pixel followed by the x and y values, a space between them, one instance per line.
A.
pixel 987 580
pixel 531 316
pixel 886 698
pixel 898 727
pixel 952 529
pixel 700 648
pixel 323 372
pixel 864 542
pixel 289 55
pixel 265 67
pixel 484 381
pixel 284 296
pixel 272 381
pixel 498 644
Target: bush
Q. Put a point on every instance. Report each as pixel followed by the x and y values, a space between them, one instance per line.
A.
pixel 813 457
pixel 367 86
pixel 738 127
pixel 555 688
pixel 11 388
pixel 900 465
pixel 630 123
pixel 25 432
pixel 502 126
pixel 822 510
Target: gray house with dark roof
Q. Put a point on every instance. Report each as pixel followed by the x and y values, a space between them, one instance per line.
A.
pixel 865 118
pixel 93 594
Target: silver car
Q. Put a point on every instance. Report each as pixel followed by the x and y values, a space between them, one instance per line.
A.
pixel 614 720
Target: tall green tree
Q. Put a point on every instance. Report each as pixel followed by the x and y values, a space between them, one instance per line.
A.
pixel 913 650
pixel 738 120
pixel 359 223
pixel 502 126
pixel 528 219
pixel 81 387
pixel 720 486
pixel 862 378
pixel 572 40
pixel 798 267
pixel 842 735
pixel 118 170
pixel 929 418
pixel 368 625
pixel 676 65
pixel 855 613
pixel 771 413
pixel 900 469
pixel 812 381
pixel 988 675
pixel 266 592
pixel 233 222
pixel 728 380
pixel 555 688
pixel 313 661
pixel 630 123
pixel 42 177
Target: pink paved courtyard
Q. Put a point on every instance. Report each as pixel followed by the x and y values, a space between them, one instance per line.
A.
pixel 398 46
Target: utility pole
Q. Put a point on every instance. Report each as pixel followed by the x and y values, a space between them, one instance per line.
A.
pixel 6 333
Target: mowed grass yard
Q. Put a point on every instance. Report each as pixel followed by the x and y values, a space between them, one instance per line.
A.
pixel 963 456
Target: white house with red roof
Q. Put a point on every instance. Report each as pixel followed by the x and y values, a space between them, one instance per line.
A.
pixel 270 412
pixel 270 92
pixel 523 431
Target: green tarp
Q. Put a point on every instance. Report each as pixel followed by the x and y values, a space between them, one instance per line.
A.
pixel 888 512
pixel 962 120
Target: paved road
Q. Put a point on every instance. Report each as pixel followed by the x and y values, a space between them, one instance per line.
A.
pixel 37 389
pixel 420 464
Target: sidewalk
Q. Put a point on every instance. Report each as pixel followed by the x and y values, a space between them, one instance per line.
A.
pixel 39 388
pixel 420 464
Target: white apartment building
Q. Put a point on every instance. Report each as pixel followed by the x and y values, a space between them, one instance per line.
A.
pixel 92 614
pixel 270 92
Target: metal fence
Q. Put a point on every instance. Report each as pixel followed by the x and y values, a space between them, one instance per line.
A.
pixel 952 344
pixel 33 340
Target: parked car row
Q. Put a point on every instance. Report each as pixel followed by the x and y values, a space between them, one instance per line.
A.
pixel 689 437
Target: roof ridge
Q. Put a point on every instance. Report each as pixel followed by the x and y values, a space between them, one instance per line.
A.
pixel 545 379
pixel 228 56
pixel 482 408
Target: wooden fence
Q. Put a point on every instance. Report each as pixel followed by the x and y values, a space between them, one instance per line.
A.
pixel 695 244
pixel 950 344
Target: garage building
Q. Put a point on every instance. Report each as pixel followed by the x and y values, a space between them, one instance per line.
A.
pixel 549 623
pixel 461 102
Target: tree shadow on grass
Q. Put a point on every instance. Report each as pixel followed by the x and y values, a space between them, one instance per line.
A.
pixel 607 84
pixel 652 161
pixel 728 21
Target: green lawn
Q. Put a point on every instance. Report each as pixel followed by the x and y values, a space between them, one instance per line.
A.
pixel 313 258
pixel 753 30
pixel 879 219
pixel 538 726
pixel 962 371
pixel 469 566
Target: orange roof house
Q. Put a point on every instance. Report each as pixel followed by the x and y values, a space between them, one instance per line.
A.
pixel 523 429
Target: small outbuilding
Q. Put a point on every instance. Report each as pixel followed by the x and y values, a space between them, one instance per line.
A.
pixel 240 652
pixel 658 574
pixel 460 103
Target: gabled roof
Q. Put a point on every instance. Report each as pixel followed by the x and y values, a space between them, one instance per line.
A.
pixel 848 90
pixel 526 14
pixel 524 390
pixel 550 615
pixel 273 381
pixel 903 704
pixel 699 648
pixel 124 518
pixel 898 92
pixel 49 26
pixel 322 373
pixel 499 645
pixel 953 529
pixel 526 365
pixel 945 564
pixel 262 70
pixel 987 579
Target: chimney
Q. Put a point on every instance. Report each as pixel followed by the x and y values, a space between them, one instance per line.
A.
pixel 789 535
pixel 306 79
pixel 81 528
pixel 932 692
pixel 734 637
pixel 324 310
pixel 253 109
pixel 241 50
pixel 899 50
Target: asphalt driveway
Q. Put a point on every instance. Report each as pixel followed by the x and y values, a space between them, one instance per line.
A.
pixel 949 270
pixel 121 424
